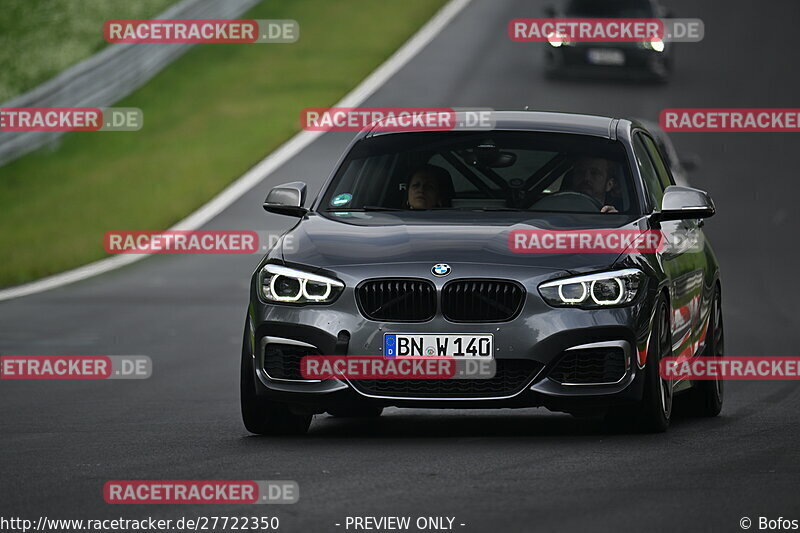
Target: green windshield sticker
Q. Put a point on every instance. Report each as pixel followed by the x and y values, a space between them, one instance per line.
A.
pixel 341 199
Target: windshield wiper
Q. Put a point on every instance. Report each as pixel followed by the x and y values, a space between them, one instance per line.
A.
pixel 490 209
pixel 366 208
pixel 378 208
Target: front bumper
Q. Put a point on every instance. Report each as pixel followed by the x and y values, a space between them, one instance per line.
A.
pixel 538 337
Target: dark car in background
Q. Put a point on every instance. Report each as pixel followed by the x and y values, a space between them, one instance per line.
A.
pixel 647 60
pixel 582 333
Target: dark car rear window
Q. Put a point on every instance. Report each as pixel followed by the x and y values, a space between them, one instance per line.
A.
pixel 609 9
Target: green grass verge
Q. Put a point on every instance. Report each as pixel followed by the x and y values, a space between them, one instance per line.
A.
pixel 207 118
pixel 40 38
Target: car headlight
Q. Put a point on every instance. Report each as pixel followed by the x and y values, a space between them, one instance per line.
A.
pixel 287 285
pixel 604 289
pixel 557 39
pixel 656 44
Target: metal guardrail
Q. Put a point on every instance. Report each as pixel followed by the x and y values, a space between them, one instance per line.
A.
pixel 109 75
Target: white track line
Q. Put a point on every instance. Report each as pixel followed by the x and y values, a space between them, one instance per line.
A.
pixel 266 166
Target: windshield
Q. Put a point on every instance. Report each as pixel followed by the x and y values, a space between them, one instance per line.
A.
pixel 498 171
pixel 609 9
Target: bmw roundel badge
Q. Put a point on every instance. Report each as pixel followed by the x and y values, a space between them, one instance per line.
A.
pixel 440 270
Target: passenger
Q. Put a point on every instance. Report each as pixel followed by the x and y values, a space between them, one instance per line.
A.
pixel 430 186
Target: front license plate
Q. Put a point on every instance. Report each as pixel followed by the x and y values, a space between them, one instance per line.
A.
pixel 600 56
pixel 479 346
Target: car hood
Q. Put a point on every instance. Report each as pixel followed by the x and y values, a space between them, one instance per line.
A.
pixel 383 239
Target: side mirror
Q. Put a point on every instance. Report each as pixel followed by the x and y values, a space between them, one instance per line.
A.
pixel 681 203
pixel 287 199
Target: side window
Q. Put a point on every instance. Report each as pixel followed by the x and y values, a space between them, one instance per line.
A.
pixel 658 161
pixel 655 189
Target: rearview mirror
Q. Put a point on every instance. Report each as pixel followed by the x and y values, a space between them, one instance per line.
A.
pixel 549 11
pixel 681 203
pixel 287 199
pixel 487 154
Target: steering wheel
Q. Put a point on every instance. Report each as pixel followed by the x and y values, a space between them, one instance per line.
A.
pixel 568 201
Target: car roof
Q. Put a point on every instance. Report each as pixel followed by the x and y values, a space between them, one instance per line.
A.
pixel 564 4
pixel 544 121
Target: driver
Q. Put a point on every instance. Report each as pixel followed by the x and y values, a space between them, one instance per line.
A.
pixel 592 176
pixel 430 186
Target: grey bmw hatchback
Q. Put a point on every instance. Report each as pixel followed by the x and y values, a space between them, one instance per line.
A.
pixel 411 249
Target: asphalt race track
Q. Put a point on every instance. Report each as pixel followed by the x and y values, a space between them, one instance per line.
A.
pixel 508 470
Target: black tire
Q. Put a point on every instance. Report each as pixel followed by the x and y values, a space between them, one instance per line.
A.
pixel 260 415
pixel 663 74
pixel 552 66
pixel 652 414
pixel 706 397
pixel 367 411
pixel 656 408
